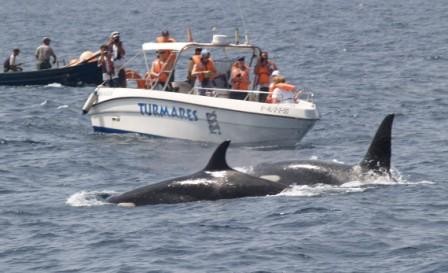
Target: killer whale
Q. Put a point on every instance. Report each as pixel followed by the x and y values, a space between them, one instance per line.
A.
pixel 310 172
pixel 216 181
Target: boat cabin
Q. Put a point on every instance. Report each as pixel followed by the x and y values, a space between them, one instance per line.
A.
pixel 178 60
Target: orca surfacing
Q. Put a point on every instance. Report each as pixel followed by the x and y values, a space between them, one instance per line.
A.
pixel 216 181
pixel 310 172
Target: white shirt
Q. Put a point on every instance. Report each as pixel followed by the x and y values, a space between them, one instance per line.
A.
pixel 12 59
pixel 283 96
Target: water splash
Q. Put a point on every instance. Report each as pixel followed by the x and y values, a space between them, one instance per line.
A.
pixel 89 199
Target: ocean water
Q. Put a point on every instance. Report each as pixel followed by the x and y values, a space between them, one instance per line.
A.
pixel 362 59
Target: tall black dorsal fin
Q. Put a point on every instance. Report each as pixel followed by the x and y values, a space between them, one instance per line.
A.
pixel 218 160
pixel 378 155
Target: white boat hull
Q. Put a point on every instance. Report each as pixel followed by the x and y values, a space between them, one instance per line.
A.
pixel 200 118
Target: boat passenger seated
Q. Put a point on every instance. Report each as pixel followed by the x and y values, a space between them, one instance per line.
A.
pixel 195 59
pixel 205 72
pixel 160 70
pixel 284 92
pixel 240 79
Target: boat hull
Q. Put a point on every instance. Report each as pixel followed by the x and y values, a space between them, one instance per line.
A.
pixel 200 118
pixel 87 73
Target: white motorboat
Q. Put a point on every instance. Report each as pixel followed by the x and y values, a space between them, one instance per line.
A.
pixel 184 114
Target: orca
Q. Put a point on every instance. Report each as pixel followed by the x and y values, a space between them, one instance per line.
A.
pixel 216 181
pixel 310 172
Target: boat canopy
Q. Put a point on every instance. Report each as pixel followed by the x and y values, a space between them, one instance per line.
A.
pixel 180 46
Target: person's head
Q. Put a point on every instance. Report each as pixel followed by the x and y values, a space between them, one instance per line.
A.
pixel 165 33
pixel 264 55
pixel 279 79
pixel 275 73
pixel 205 55
pixel 197 51
pixel 46 40
pixel 115 36
pixel 16 51
pixel 104 49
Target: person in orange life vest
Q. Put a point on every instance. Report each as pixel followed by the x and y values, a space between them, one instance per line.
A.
pixel 160 69
pixel 204 71
pixel 165 38
pixel 106 64
pixel 274 76
pixel 118 53
pixel 284 92
pixel 239 78
pixel 262 71
pixel 195 59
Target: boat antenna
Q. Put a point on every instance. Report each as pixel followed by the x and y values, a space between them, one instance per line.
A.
pixel 237 36
pixel 243 21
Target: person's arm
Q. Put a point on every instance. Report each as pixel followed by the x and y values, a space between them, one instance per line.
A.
pixel 36 54
pixel 152 72
pixel 52 54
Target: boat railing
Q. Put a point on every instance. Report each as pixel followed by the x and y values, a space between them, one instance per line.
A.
pixel 252 95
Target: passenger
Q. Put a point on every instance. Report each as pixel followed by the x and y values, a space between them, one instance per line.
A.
pixel 204 71
pixel 195 59
pixel 284 92
pixel 160 70
pixel 165 37
pixel 118 54
pixel 43 54
pixel 106 64
pixel 239 78
pixel 262 71
pixel 274 75
pixel 10 62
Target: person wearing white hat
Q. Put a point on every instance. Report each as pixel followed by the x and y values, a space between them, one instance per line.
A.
pixel 118 53
pixel 43 54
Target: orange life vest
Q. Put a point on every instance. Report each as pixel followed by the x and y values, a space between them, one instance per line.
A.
pixel 242 82
pixel 263 71
pixel 201 67
pixel 134 75
pixel 158 67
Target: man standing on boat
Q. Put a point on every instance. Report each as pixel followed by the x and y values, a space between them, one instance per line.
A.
pixel 240 79
pixel 107 65
pixel 116 47
pixel 205 71
pixel 43 54
pixel 165 37
pixel 10 63
pixel 262 72
pixel 195 59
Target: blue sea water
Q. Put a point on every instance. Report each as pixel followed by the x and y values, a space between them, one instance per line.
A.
pixel 362 59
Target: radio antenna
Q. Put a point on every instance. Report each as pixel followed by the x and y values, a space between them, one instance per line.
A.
pixel 243 21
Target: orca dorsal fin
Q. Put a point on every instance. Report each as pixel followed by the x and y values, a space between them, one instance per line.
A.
pixel 218 160
pixel 378 155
